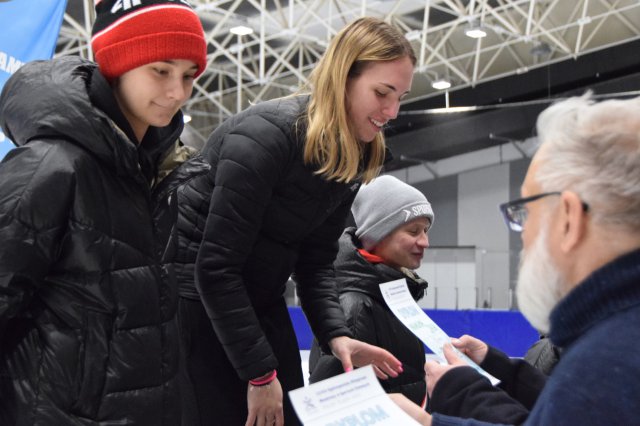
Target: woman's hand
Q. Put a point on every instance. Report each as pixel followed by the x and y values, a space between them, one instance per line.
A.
pixel 265 404
pixel 473 348
pixel 412 409
pixel 353 352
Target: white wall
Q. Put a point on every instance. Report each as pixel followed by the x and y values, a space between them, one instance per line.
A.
pixel 480 225
pixel 451 274
pixel 475 270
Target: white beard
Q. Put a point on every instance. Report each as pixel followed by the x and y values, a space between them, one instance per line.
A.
pixel 539 284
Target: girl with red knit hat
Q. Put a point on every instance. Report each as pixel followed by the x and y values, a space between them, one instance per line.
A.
pixel 87 302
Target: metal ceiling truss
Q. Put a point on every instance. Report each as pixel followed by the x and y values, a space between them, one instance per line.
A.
pixel 289 36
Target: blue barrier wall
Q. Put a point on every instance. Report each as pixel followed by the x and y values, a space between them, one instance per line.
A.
pixel 508 331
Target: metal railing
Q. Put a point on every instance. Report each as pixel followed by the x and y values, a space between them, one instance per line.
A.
pixel 461 278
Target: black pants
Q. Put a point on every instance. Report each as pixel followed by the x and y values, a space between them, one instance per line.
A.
pixel 212 393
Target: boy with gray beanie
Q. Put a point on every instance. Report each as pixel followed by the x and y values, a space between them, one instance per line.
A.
pixel 383 205
pixel 392 219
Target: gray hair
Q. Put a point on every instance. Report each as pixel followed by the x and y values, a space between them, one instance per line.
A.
pixel 593 149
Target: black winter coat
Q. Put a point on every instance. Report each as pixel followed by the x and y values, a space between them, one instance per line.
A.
pixel 265 216
pixel 87 309
pixel 543 355
pixel 371 320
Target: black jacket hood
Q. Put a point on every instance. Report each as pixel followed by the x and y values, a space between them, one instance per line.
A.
pixel 51 99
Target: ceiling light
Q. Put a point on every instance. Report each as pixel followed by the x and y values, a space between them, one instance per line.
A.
pixel 441 84
pixel 413 35
pixel 475 30
pixel 241 30
pixel 449 110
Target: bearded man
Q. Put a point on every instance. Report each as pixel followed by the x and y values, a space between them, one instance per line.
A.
pixel 579 282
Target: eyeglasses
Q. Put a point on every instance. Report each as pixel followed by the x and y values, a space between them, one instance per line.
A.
pixel 515 214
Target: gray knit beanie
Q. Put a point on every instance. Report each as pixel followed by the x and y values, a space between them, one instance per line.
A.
pixel 383 205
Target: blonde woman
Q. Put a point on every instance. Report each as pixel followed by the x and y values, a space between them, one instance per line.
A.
pixel 273 205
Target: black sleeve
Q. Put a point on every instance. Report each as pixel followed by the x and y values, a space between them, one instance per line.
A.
pixel 463 392
pixel 250 160
pixel 315 277
pixel 34 210
pixel 518 378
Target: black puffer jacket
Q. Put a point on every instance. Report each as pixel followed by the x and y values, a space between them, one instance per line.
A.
pixel 371 321
pixel 543 355
pixel 87 310
pixel 267 216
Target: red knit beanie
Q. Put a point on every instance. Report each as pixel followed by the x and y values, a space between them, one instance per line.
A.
pixel 131 33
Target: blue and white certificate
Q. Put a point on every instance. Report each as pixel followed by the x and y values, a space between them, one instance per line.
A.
pixel 353 398
pixel 399 299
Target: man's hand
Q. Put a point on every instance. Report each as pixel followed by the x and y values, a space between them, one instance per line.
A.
pixel 434 370
pixel 265 405
pixel 473 348
pixel 353 352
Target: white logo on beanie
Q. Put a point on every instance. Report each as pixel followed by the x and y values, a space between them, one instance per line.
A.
pixel 417 211
pixel 128 4
pixel 125 5
pixel 422 210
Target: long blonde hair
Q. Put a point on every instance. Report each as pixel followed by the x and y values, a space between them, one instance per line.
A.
pixel 330 143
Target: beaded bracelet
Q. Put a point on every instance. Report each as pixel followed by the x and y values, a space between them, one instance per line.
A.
pixel 262 382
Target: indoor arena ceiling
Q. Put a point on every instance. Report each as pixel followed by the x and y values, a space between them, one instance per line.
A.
pixel 533 51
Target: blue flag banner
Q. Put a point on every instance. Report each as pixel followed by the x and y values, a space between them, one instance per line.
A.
pixel 30 29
